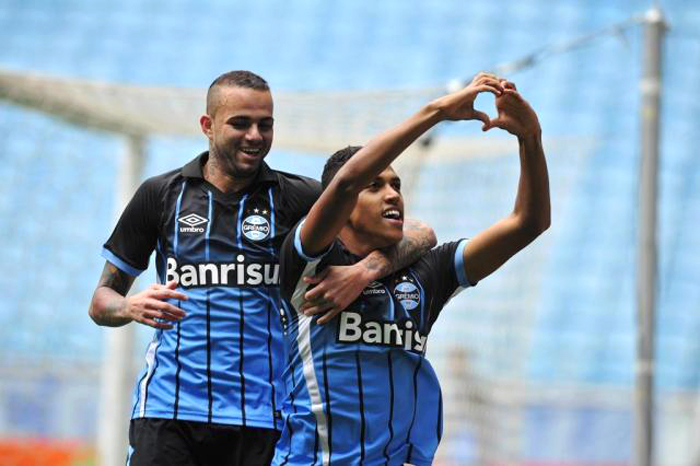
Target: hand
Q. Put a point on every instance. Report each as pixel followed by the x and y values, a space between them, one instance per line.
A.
pixel 460 105
pixel 336 287
pixel 148 305
pixel 514 113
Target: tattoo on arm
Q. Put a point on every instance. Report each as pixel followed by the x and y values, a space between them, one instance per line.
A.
pixel 115 279
pixel 106 307
pixel 418 239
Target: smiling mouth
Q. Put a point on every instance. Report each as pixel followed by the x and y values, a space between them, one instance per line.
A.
pixel 251 151
pixel 392 214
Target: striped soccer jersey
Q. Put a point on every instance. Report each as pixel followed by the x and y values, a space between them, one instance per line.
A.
pixel 223 362
pixel 359 388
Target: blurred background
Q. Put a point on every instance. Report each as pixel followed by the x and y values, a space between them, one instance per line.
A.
pixel 537 362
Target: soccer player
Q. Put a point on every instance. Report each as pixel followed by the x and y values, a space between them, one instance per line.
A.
pixel 360 390
pixel 210 393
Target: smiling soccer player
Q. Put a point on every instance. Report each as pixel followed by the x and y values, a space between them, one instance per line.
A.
pixel 360 390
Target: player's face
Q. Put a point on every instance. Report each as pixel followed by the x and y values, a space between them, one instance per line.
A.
pixel 378 215
pixel 241 130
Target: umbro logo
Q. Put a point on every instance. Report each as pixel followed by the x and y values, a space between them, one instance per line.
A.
pixel 192 222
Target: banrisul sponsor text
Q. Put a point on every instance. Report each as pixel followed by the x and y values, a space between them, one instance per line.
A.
pixel 238 273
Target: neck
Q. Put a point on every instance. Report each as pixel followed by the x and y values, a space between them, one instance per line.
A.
pixel 358 244
pixel 225 182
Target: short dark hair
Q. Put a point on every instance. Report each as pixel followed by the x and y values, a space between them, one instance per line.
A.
pixel 237 78
pixel 335 162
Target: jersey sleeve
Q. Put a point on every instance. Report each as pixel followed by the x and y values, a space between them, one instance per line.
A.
pixel 136 233
pixel 295 262
pixel 442 272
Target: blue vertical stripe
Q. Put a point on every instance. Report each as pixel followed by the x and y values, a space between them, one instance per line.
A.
pixel 160 257
pixel 423 324
pixel 361 400
pixel 211 220
pixel 208 291
pixel 272 221
pixel 241 310
pixel 328 406
pixel 272 308
pixel 177 216
pixel 391 405
pixel 415 405
pixel 239 228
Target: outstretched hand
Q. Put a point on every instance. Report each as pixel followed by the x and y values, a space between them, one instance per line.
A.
pixel 514 113
pixel 460 105
pixel 149 307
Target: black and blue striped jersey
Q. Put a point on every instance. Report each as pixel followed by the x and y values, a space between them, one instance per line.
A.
pixel 359 388
pixel 223 362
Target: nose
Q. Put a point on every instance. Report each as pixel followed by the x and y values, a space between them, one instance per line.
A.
pixel 391 195
pixel 253 133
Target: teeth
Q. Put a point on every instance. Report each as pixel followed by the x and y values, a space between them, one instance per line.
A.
pixel 249 150
pixel 392 214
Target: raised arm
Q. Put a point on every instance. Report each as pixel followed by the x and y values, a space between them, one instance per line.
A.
pixel 330 212
pixel 111 307
pixel 491 248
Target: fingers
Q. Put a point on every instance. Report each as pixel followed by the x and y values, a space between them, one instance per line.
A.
pixel 491 82
pixel 314 309
pixel 328 316
pixel 495 123
pixel 166 310
pixel 318 278
pixel 508 84
pixel 167 291
pixel 484 118
pixel 156 324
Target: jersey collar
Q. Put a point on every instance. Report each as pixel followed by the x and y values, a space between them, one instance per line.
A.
pixel 194 170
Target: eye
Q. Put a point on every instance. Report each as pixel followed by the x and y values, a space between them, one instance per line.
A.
pixel 396 184
pixel 266 125
pixel 374 185
pixel 240 123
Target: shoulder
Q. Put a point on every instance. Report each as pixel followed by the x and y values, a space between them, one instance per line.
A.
pixel 293 181
pixel 442 260
pixel 163 180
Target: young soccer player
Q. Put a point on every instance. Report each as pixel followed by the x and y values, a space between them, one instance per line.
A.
pixel 360 390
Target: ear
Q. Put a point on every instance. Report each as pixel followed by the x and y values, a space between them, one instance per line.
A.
pixel 205 122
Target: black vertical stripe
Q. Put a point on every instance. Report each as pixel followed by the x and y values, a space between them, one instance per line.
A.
pixel 177 372
pixel 362 406
pixel 315 445
pixel 241 353
pixel 415 403
pixel 270 309
pixel 391 407
pixel 328 406
pixel 439 419
pixel 211 399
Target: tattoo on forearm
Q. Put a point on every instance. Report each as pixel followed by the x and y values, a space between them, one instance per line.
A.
pixel 115 279
pixel 417 240
pixel 109 308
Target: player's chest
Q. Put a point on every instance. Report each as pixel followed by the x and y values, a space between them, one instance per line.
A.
pixel 200 220
pixel 390 313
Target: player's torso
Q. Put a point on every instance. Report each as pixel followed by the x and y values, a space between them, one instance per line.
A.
pixel 381 399
pixel 222 361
